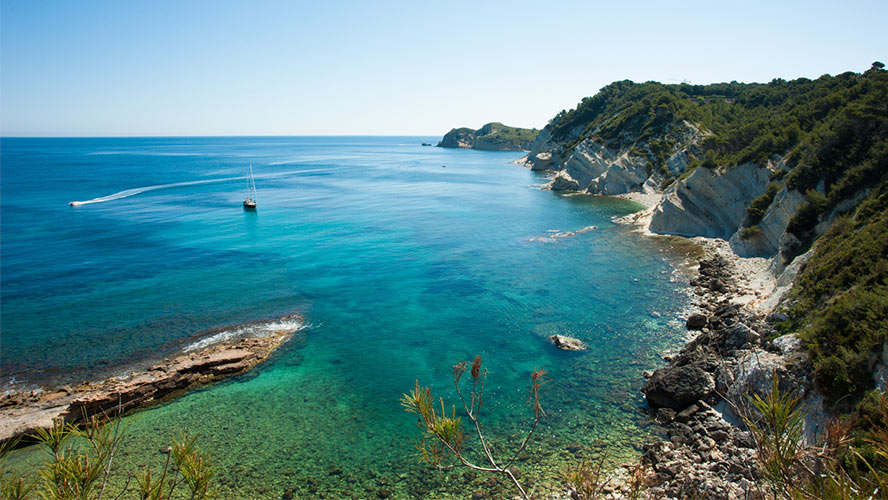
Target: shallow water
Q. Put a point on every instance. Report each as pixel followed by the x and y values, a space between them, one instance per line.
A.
pixel 403 260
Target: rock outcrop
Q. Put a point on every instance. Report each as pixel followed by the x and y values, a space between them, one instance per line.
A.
pixel 22 413
pixel 765 242
pixel 566 343
pixel 596 168
pixel 593 168
pixel 492 137
pixel 709 203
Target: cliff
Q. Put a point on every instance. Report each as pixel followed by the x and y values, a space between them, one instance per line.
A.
pixel 794 173
pixel 492 136
pixel 732 161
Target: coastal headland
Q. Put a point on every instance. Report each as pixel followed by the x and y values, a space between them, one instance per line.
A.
pixel 786 225
pixel 22 413
pixel 492 137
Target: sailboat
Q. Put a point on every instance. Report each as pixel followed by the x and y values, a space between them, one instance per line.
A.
pixel 250 201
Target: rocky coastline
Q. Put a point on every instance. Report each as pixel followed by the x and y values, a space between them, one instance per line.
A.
pixel 705 450
pixel 699 397
pixel 22 413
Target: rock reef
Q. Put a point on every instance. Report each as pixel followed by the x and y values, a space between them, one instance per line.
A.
pixel 22 413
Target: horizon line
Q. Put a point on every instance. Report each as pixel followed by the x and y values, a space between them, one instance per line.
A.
pixel 206 136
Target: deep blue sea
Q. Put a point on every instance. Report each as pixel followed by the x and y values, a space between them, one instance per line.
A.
pixel 402 259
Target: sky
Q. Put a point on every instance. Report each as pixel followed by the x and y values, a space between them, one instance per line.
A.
pixel 267 67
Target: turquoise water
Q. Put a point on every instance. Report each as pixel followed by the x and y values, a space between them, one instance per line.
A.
pixel 403 260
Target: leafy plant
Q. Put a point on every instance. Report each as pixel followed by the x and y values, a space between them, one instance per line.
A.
pixel 835 469
pixel 443 436
pixel 778 434
pixel 586 480
pixel 79 466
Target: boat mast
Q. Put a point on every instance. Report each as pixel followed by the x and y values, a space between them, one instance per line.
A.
pixel 251 185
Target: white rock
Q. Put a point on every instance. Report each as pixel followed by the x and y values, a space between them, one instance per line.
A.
pixel 707 203
pixel 771 228
pixel 787 343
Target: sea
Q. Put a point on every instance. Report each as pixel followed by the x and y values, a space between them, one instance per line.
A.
pixel 401 261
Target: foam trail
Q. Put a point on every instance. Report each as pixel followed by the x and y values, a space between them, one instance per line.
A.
pixel 132 192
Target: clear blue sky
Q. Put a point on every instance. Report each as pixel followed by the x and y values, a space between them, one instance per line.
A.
pixel 264 67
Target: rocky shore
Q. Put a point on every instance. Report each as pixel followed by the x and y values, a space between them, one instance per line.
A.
pixel 700 397
pixel 21 413
pixel 705 450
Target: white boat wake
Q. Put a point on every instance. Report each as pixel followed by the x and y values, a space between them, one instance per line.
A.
pixel 134 191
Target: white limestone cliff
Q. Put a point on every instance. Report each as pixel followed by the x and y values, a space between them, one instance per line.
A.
pixel 709 203
pixel 772 228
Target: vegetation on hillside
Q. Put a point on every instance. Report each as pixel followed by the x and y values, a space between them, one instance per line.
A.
pixel 840 299
pixel 498 132
pixel 826 138
pixel 492 136
pixel 836 468
pixel 825 128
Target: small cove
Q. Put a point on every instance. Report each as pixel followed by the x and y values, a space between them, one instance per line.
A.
pixel 403 259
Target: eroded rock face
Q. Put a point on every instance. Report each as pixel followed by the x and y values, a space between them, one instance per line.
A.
pixel 677 387
pixel 458 138
pixel 593 168
pixel 766 241
pixel 709 204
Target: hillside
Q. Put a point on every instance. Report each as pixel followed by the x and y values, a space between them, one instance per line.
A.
pixel 492 136
pixel 792 171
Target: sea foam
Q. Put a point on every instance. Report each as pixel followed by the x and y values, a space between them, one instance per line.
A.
pixel 253 329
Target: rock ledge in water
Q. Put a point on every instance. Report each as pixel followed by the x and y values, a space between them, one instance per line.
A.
pixel 23 413
pixel 568 343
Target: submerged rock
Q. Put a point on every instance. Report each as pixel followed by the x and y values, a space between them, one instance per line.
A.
pixel 568 343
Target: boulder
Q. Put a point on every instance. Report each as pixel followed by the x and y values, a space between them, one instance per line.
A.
pixel 568 343
pixel 696 321
pixel 677 387
pixel 738 335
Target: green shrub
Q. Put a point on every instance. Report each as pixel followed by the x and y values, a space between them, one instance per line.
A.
pixel 80 466
pixel 802 223
pixel 444 440
pixel 757 207
pixel 841 299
